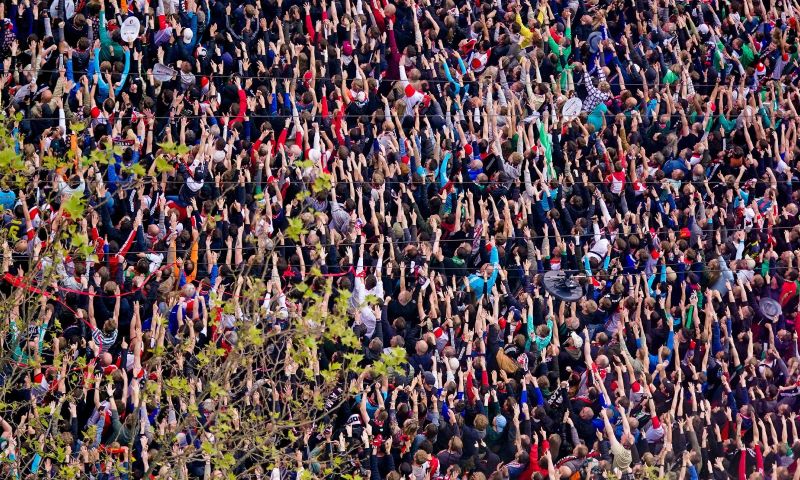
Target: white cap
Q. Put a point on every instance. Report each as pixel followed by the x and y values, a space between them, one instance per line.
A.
pixel 454 365
pixel 187 35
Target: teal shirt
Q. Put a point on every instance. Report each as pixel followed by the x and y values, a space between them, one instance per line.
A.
pixel 476 282
pixel 596 117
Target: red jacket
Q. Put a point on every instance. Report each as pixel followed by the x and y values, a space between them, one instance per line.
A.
pixel 533 464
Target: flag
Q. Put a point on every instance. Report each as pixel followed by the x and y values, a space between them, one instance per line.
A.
pixel 547 148
pixel 719 60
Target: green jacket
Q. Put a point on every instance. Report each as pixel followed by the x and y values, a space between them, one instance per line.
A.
pixel 563 56
pixel 109 49
pixel 748 56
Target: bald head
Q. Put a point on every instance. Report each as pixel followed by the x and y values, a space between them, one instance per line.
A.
pixel 106 359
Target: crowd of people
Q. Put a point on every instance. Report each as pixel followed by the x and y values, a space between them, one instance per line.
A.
pixel 431 160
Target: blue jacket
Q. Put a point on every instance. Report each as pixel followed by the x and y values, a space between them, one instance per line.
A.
pixel 8 199
pixel 103 87
pixel 476 281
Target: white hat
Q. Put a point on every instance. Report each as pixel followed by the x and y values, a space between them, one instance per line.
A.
pixel 129 29
pixel 187 35
pixel 577 341
pixel 703 29
pixel 454 364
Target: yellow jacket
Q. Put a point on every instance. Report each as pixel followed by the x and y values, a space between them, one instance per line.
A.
pixel 526 37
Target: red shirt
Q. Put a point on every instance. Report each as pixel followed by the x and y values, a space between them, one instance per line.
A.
pixel 533 463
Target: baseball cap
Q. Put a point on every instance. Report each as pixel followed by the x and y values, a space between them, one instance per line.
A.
pixel 347 48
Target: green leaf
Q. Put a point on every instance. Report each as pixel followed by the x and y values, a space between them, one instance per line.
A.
pixel 295 229
pixel 100 157
pixel 371 300
pixel 182 149
pixel 302 195
pixel 163 165
pixel 49 162
pixel 170 148
pixel 79 240
pixel 354 358
pixel 136 169
pixel 176 385
pixel 215 390
pixel 74 206
pixel 322 183
pixel 207 448
pixel 7 157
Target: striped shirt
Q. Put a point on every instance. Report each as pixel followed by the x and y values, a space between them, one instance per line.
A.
pixel 104 341
pixel 596 96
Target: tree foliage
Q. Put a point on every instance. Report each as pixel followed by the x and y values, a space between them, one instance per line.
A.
pixel 251 407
